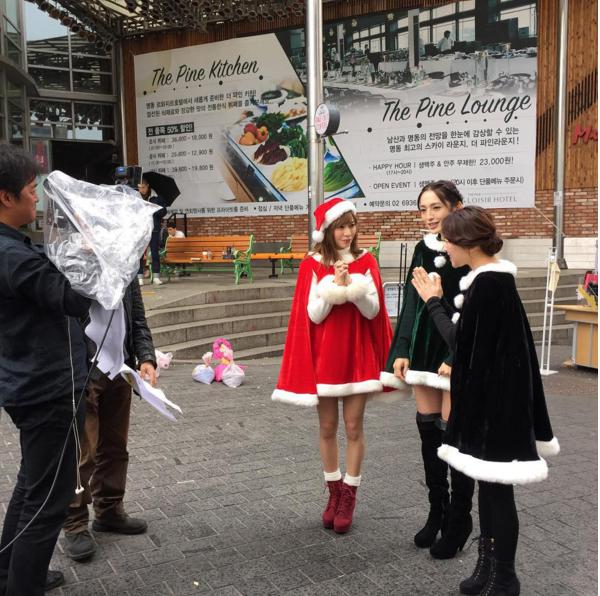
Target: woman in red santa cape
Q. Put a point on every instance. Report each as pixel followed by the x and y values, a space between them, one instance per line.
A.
pixel 336 345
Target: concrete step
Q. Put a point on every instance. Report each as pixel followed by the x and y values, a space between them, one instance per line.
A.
pixel 237 294
pixel 562 335
pixel 537 319
pixel 193 350
pixel 262 352
pixel 538 292
pixel 537 305
pixel 528 279
pixel 210 330
pixel 206 312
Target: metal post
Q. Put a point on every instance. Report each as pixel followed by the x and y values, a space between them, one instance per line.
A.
pixel 561 125
pixel 121 91
pixel 314 84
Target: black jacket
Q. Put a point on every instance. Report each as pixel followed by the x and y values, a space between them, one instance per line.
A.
pixel 499 429
pixel 38 311
pixel 138 339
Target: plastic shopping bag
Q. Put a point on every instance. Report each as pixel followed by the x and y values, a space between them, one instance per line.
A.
pixel 233 375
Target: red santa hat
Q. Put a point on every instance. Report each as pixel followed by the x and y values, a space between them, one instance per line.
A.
pixel 327 213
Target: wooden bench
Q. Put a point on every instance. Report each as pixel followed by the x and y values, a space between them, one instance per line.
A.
pixel 298 247
pixel 200 253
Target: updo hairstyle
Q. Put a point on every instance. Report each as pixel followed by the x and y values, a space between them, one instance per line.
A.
pixel 472 227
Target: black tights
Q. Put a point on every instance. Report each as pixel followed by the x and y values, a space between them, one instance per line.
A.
pixel 498 518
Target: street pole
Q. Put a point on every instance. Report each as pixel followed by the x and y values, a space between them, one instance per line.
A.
pixel 561 125
pixel 314 84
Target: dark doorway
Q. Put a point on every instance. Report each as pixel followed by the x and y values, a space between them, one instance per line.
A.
pixel 92 162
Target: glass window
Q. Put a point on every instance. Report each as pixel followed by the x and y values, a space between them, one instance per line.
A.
pixel 444 11
pixel 375 45
pixel 91 63
pixel 402 41
pixel 99 114
pixel 47 78
pixel 83 46
pixel 13 52
pixel 425 34
pixel 92 133
pixel 439 29
pixel 355 35
pixel 527 19
pixel 11 10
pixel 13 34
pixel 466 30
pixel 424 14
pixel 466 5
pixel 376 30
pixel 403 23
pixel 47 59
pixel 89 82
pixel 50 119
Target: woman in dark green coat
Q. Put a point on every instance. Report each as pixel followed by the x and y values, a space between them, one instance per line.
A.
pixel 420 357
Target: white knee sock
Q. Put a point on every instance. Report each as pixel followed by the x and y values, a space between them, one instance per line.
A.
pixel 352 480
pixel 332 476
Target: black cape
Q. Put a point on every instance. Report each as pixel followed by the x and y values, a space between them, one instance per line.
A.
pixel 416 337
pixel 499 429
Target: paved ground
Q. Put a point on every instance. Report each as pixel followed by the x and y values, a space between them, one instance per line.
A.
pixel 233 494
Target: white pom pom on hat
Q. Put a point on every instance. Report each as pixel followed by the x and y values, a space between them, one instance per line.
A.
pixel 327 213
pixel 318 236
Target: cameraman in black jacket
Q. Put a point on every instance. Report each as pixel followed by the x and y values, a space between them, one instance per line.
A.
pixel 104 457
pixel 43 366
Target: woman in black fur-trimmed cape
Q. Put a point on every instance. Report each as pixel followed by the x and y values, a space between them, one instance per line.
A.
pixel 499 431
pixel 420 357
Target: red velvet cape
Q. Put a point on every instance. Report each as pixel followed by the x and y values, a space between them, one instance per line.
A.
pixel 344 354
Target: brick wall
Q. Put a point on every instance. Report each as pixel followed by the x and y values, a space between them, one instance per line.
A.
pixel 580 221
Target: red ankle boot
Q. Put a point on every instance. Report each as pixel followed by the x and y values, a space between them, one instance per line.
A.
pixel 343 517
pixel 335 492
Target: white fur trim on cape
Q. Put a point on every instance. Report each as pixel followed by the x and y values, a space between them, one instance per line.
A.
pixel 389 379
pixel 548 448
pixel 331 292
pixel 429 379
pixel 455 317
pixel 439 261
pixel 501 266
pixel 359 287
pixel 432 242
pixel 503 472
pixel 297 399
pixel 344 389
pixel 459 300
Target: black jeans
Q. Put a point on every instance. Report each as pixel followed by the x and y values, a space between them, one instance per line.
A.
pixel 42 432
pixel 155 252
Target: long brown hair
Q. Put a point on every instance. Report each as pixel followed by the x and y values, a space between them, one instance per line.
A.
pixel 472 227
pixel 328 249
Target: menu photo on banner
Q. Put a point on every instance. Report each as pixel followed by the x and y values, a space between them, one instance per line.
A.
pixel 423 94
pixel 228 121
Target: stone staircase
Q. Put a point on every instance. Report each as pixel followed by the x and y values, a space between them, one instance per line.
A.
pixel 255 319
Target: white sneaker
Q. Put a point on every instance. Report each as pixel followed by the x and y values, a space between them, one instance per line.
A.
pixel 157 282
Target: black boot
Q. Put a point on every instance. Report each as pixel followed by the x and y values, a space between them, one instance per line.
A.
pixel 436 472
pixel 503 580
pixel 458 524
pixel 481 574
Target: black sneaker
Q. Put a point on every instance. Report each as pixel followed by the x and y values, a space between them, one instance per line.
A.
pixel 80 546
pixel 53 580
pixel 120 524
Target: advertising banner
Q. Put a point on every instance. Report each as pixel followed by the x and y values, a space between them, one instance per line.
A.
pixel 424 94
